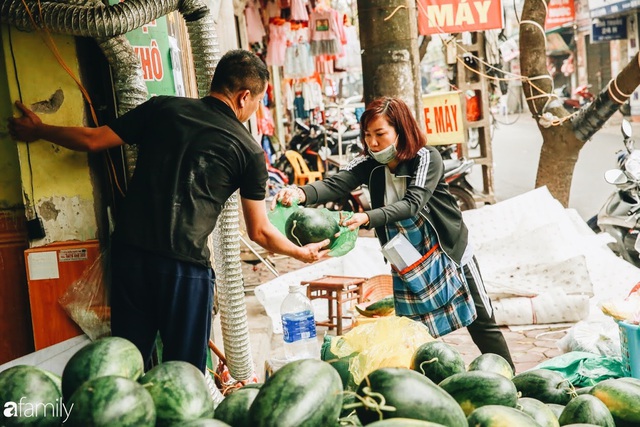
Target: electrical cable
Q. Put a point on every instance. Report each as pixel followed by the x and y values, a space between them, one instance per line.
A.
pixel 48 39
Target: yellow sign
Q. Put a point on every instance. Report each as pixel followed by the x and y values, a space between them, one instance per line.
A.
pixel 443 118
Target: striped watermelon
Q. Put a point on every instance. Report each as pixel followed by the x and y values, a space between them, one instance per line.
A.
pixel 234 409
pixel 30 397
pixel 110 401
pixel 586 409
pixel 105 356
pixel 179 392
pixel 303 393
pixel 205 422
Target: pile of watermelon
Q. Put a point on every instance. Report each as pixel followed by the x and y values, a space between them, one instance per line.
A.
pixel 104 385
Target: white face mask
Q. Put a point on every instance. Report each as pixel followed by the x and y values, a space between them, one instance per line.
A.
pixel 385 155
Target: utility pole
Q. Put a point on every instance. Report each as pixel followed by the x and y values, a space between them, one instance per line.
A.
pixel 390 58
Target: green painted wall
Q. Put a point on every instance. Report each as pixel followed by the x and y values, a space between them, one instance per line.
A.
pixel 62 186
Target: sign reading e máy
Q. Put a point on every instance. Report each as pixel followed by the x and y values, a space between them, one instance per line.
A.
pixel 443 118
pixel 457 16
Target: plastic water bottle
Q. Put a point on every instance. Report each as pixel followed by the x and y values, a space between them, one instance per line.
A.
pixel 298 326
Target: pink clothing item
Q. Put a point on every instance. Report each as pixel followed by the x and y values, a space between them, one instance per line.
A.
pixel 255 27
pixel 277 46
pixel 299 10
pixel 326 32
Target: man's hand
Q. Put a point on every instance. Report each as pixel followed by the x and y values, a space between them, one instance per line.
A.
pixel 313 252
pixel 24 128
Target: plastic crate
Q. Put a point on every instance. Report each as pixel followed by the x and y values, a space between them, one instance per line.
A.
pixel 630 346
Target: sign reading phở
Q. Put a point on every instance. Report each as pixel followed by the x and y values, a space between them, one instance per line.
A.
pixel 443 118
pixel 457 16
pixel 560 12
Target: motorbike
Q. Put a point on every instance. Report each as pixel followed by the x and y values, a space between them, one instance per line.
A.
pixel 620 215
pixel 582 96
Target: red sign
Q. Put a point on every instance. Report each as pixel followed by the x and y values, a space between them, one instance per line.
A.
pixel 560 12
pixel 457 16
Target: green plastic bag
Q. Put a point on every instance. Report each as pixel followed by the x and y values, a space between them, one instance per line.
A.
pixel 341 246
pixel 584 369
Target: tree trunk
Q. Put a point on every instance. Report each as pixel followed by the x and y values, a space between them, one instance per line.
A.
pixel 563 135
pixel 390 59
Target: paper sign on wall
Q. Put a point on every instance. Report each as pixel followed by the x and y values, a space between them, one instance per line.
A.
pixel 443 118
pixel 43 265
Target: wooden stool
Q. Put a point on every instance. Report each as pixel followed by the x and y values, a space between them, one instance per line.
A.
pixel 337 290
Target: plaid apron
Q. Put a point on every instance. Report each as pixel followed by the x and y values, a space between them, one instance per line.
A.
pixel 433 290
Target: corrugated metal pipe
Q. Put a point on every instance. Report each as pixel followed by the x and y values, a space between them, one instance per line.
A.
pixel 105 23
pixel 108 21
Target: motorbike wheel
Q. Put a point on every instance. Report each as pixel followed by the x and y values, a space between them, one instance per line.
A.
pixel 465 200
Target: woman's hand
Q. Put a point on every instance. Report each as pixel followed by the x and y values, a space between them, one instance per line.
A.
pixel 288 195
pixel 356 220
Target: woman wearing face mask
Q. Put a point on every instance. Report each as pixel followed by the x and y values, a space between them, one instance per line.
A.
pixel 409 196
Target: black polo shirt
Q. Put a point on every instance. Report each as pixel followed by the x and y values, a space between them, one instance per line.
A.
pixel 192 155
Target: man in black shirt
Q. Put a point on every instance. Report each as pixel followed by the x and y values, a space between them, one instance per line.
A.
pixel 192 155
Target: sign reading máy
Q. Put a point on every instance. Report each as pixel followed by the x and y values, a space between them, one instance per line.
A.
pixel 443 118
pixel 456 16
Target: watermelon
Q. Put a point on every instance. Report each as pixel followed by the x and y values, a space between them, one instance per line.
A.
pixel 545 385
pixel 383 307
pixel 179 392
pixel 474 389
pixel 490 362
pixel 310 225
pixel 437 360
pixel 586 409
pixel 102 357
pixel 306 392
pixel 500 416
pixel 403 422
pixel 234 409
pixel 540 412
pixel 205 422
pixel 30 397
pixel 555 408
pixel 621 397
pixel 403 393
pixel 109 401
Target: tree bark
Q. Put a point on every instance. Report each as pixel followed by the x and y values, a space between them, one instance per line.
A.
pixel 562 136
pixel 390 58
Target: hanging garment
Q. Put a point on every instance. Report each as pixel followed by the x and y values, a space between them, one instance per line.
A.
pixel 277 46
pixel 255 27
pixel 298 62
pixel 326 33
pixel 299 10
pixel 352 58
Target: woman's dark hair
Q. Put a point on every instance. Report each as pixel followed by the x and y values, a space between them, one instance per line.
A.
pixel 397 113
pixel 240 70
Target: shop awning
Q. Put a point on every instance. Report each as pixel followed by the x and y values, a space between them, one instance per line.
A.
pixel 556 45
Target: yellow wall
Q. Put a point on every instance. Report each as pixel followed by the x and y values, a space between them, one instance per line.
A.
pixel 63 190
pixel 10 196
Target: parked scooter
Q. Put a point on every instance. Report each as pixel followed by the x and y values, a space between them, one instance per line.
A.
pixel 582 96
pixel 620 215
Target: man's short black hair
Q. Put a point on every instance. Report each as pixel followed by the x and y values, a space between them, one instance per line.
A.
pixel 239 70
